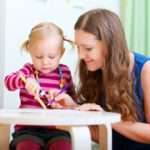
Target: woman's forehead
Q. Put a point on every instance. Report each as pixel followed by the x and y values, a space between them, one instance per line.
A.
pixel 84 38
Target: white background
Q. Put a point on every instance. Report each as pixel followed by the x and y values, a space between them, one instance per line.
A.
pixel 17 17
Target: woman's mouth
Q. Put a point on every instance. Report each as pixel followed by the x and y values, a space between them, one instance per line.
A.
pixel 88 61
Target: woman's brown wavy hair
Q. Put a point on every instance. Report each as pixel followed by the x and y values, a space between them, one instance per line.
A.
pixel 111 87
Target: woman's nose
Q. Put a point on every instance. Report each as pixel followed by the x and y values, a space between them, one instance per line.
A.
pixel 81 54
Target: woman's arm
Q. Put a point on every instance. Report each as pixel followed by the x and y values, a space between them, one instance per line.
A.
pixel 145 79
pixel 139 131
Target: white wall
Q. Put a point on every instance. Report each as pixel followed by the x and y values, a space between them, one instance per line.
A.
pixel 22 15
pixel 2 47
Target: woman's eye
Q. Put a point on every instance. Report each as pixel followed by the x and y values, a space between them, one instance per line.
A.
pixel 88 48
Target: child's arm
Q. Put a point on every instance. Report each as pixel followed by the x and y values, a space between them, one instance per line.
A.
pixel 13 81
pixel 36 96
pixel 71 90
pixel 66 97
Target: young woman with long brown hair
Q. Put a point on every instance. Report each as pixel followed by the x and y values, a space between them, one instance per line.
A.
pixel 113 78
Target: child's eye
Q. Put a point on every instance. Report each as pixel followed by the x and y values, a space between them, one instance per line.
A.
pixel 39 57
pixel 51 57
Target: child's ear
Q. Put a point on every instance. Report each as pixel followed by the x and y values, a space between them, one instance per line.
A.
pixel 63 50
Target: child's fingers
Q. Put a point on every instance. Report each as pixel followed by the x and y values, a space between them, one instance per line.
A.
pixel 32 89
pixel 22 77
pixel 52 94
pixel 32 86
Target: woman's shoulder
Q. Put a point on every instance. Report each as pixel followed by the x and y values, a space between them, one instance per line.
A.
pixel 140 58
pixel 140 61
pixel 146 68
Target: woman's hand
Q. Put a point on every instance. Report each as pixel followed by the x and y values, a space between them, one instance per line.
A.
pixel 89 106
pixel 61 100
pixel 65 100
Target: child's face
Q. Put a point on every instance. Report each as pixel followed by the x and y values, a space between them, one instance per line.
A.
pixel 90 50
pixel 46 54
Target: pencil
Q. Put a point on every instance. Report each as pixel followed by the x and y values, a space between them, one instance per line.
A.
pixel 63 90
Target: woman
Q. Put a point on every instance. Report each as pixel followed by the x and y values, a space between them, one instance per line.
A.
pixel 112 78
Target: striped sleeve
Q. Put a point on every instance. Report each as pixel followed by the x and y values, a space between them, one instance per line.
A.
pixel 13 81
pixel 68 76
pixel 66 73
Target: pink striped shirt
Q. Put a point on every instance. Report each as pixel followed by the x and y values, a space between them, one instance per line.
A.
pixel 46 81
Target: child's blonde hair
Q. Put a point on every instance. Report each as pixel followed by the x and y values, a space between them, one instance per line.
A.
pixel 44 30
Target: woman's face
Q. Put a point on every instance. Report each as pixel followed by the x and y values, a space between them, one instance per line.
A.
pixel 90 50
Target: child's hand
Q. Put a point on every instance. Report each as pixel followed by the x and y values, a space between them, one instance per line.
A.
pixel 32 86
pixel 89 106
pixel 51 99
pixel 52 93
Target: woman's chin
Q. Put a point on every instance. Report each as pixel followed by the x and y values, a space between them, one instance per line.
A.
pixel 92 69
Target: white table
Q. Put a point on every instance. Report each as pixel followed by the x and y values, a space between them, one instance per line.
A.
pixel 76 121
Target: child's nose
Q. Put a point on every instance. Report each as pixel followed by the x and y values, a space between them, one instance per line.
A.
pixel 45 61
